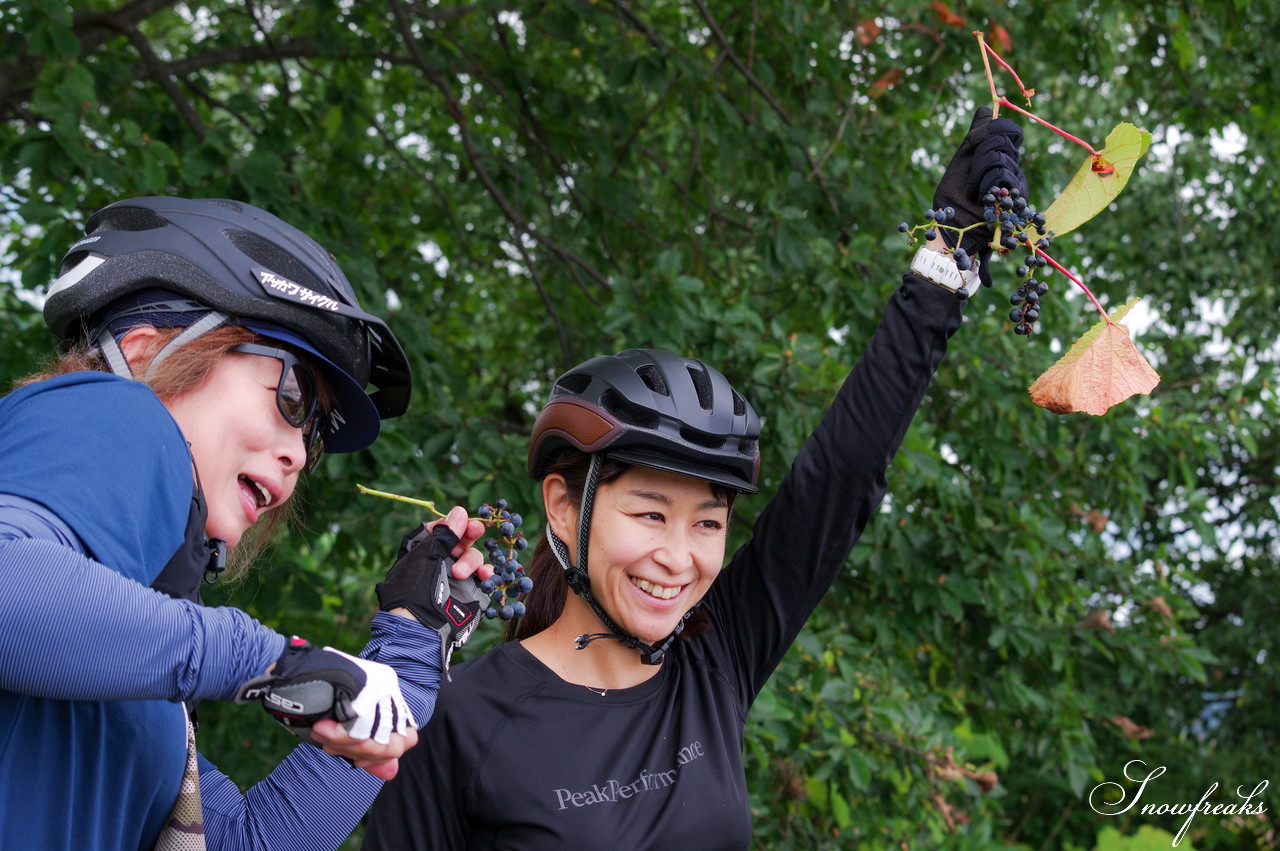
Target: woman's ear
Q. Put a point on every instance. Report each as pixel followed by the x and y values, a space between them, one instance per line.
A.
pixel 562 514
pixel 137 345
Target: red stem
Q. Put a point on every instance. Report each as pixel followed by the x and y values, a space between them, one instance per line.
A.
pixel 1063 133
pixel 1006 66
pixel 1055 264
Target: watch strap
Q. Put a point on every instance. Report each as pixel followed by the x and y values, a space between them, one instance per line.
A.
pixel 940 269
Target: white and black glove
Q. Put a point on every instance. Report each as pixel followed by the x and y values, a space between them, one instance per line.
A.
pixel 309 683
pixel 422 581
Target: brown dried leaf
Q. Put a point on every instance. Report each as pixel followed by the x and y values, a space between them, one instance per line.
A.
pixel 986 780
pixel 999 39
pixel 1100 620
pixel 886 81
pixel 867 31
pixel 1096 520
pixel 945 15
pixel 1130 728
pixel 952 816
pixel 1102 369
pixel 1161 607
pixel 946 767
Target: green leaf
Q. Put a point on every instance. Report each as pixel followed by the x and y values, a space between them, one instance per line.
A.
pixel 687 284
pixel 840 810
pixel 1091 190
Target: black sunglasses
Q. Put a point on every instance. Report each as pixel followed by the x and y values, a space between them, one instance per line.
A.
pixel 297 398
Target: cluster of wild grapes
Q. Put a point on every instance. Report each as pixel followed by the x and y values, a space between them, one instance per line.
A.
pixel 1018 221
pixel 1020 225
pixel 508 581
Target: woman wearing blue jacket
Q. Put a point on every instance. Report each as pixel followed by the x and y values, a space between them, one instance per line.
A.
pixel 213 353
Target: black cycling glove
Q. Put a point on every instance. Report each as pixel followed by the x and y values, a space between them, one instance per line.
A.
pixel 987 157
pixel 422 581
pixel 309 683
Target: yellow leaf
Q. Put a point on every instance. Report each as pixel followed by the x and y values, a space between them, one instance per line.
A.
pixel 1099 180
pixel 1102 369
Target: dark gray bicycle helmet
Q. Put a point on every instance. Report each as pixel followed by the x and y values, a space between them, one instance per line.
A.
pixel 653 408
pixel 242 265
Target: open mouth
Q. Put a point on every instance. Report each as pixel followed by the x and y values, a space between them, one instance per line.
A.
pixel 261 496
pixel 662 592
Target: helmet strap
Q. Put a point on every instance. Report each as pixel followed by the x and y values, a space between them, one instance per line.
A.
pixel 576 576
pixel 114 355
pixel 213 319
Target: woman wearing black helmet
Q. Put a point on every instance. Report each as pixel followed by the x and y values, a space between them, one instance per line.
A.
pixel 119 497
pixel 615 718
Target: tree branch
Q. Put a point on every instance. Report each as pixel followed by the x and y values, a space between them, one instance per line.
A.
pixel 158 72
pixel 454 106
pixel 19 74
pixel 815 169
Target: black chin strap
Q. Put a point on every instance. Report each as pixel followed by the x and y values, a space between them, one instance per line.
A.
pixel 576 576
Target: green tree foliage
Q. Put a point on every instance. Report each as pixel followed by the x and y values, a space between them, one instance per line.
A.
pixel 521 185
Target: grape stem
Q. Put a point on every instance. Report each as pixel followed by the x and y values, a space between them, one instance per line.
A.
pixel 1063 133
pixel 1055 264
pixel 989 51
pixel 998 100
pixel 991 83
pixel 422 503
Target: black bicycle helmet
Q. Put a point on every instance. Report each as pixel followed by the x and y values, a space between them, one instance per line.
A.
pixel 654 408
pixel 245 266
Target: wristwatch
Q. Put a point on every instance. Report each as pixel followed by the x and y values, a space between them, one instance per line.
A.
pixel 938 268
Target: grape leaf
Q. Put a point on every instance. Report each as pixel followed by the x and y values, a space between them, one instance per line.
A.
pixel 1099 180
pixel 1102 369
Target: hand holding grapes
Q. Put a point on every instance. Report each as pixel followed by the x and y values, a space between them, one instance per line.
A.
pixel 981 207
pixel 432 579
pixel 988 157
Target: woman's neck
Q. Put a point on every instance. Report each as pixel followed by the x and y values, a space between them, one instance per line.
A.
pixel 603 664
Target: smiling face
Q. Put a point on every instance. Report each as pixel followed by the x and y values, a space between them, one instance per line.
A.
pixel 657 544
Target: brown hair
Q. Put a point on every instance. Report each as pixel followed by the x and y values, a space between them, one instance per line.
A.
pixel 550 589
pixel 184 370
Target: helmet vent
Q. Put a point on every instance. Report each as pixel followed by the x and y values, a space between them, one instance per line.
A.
pixel 626 412
pixel 653 379
pixel 127 218
pixel 699 438
pixel 748 446
pixel 702 385
pixel 270 255
pixel 574 384
pixel 739 404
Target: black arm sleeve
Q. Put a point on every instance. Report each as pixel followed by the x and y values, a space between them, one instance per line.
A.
pixel 836 482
